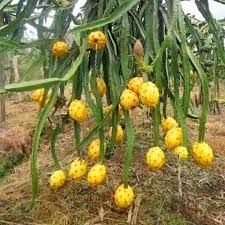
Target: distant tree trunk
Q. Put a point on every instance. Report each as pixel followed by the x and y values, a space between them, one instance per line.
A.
pixel 15 68
pixel 16 73
pixel 2 97
pixel 10 76
pixel 2 82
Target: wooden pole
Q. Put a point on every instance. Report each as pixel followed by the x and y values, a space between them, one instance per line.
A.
pixel 2 97
pixel 2 82
pixel 16 73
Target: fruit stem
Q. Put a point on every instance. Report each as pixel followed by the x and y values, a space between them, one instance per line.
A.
pixel 77 130
pixel 114 128
pixel 99 110
pixel 178 110
pixel 130 146
pixel 77 82
pixel 156 125
pixel 54 134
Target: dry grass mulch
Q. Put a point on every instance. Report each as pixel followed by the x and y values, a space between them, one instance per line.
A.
pixel 158 200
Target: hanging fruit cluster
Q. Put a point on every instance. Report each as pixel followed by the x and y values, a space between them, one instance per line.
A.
pixel 138 91
pixel 110 81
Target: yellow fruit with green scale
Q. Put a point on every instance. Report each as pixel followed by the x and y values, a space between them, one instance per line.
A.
pixel 168 124
pixel 174 138
pixel 181 152
pixel 119 134
pixel 60 49
pixel 124 196
pixel 135 83
pixel 129 99
pixel 101 86
pixel 94 150
pixel 97 40
pixel 57 179
pixel 155 158
pixel 78 111
pixel 78 169
pixel 202 154
pixel 96 175
pixel 149 94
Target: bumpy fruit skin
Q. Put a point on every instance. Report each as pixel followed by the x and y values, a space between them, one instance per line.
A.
pixel 78 111
pixel 101 86
pixel 38 94
pixel 149 94
pixel 78 169
pixel 94 150
pixel 135 84
pixel 129 99
pixel 60 49
pixel 119 134
pixel 174 138
pixel 124 197
pixel 107 108
pixel 97 40
pixel 202 154
pixel 169 123
pixel 181 152
pixel 155 158
pixel 57 179
pixel 96 175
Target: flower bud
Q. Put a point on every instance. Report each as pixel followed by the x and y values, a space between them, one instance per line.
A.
pixel 138 50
